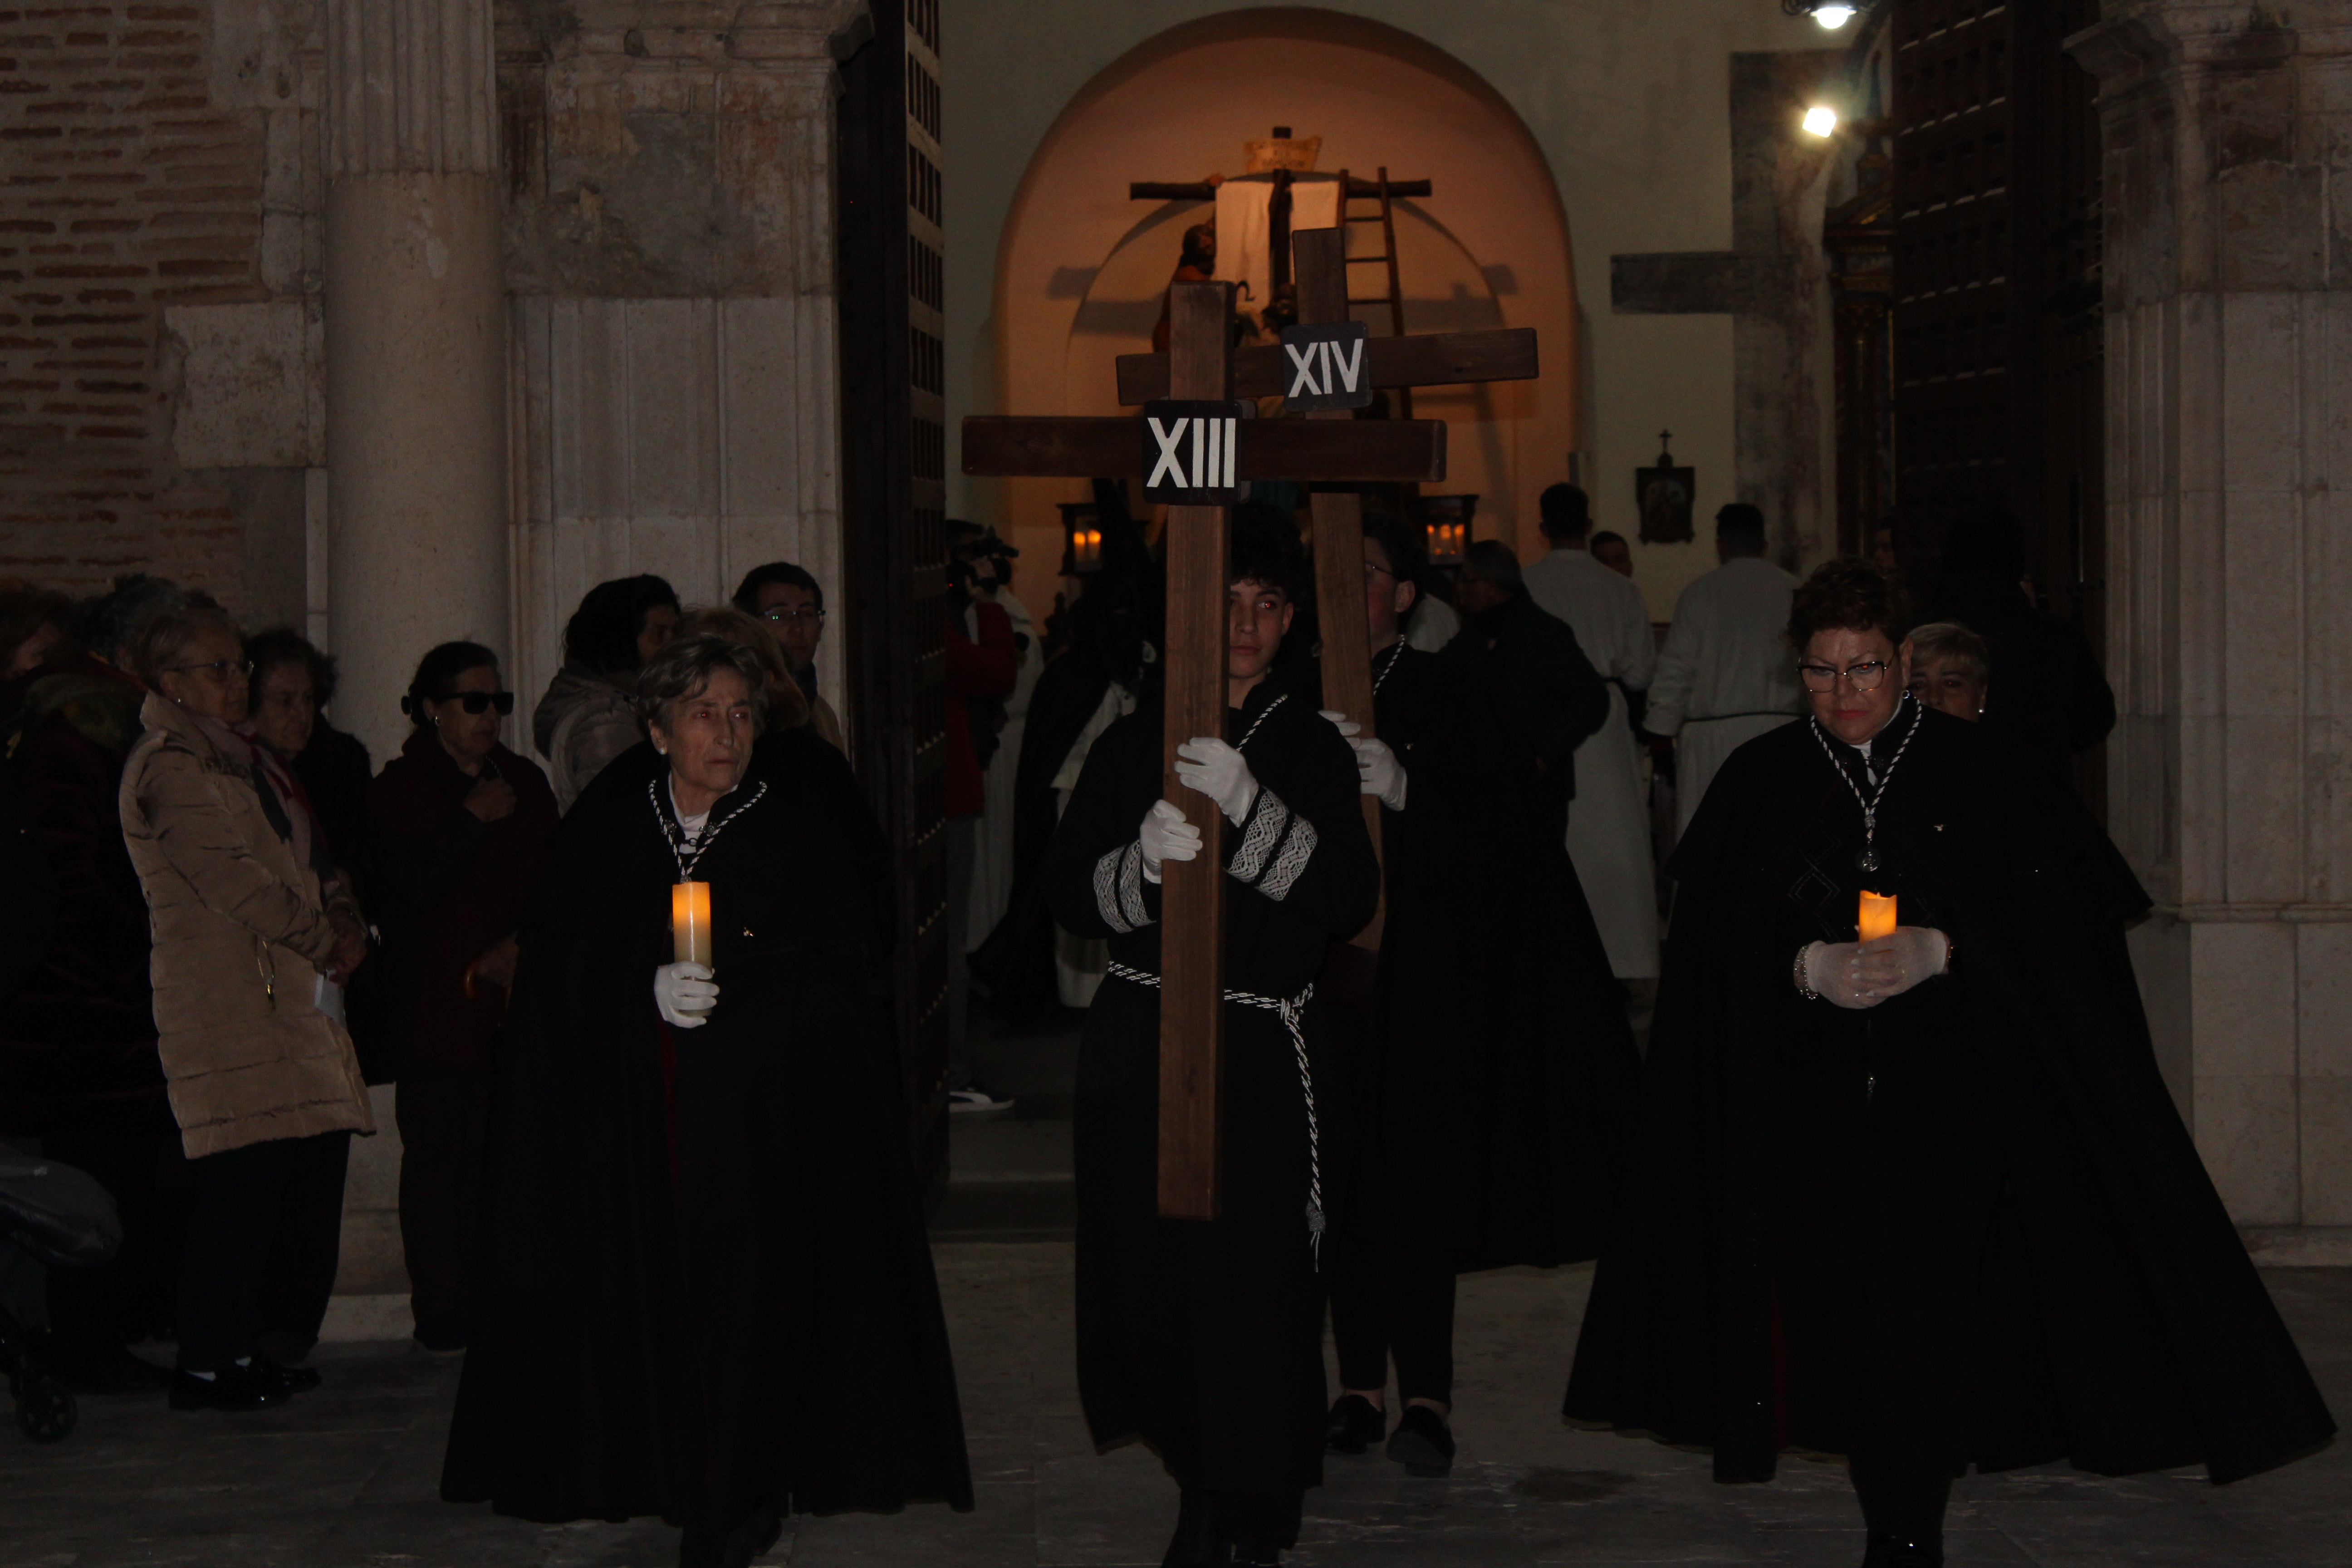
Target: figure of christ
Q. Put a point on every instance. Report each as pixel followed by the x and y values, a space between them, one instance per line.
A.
pixel 1491 1069
pixel 1197 264
pixel 1202 1338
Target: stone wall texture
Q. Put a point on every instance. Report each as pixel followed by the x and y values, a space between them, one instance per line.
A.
pixel 2229 302
pixel 151 243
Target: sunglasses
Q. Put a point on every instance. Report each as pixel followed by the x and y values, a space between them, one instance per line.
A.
pixel 475 702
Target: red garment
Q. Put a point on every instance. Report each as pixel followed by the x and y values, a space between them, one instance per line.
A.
pixel 448 886
pixel 985 669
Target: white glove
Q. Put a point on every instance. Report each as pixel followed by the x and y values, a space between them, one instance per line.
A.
pixel 1166 836
pixel 1221 772
pixel 1860 974
pixel 684 993
pixel 1378 772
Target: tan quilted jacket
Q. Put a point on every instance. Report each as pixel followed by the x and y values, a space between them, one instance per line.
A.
pixel 240 938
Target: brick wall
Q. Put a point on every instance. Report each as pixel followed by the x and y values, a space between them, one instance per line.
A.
pixel 125 190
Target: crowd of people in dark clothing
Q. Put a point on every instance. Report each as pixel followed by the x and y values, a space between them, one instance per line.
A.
pixel 1913 1197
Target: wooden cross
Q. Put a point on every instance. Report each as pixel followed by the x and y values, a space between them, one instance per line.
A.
pixel 1201 366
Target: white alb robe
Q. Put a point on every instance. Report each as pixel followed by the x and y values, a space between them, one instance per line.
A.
pixel 1609 826
pixel 1725 675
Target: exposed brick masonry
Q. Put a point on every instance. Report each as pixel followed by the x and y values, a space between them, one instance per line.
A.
pixel 122 190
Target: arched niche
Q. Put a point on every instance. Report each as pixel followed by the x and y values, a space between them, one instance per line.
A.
pixel 1080 267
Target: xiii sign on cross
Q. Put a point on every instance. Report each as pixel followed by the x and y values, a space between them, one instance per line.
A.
pixel 1195 447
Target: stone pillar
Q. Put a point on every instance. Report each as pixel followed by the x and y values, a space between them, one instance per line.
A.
pixel 417 417
pixel 2228 309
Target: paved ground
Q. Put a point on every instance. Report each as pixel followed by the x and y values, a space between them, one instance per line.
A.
pixel 346 1477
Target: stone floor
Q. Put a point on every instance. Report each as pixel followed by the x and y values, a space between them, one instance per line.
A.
pixel 345 1478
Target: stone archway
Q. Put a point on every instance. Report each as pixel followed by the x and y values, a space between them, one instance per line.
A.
pixel 1080 267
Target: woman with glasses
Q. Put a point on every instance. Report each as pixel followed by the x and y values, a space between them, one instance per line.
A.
pixel 1922 1200
pixel 253 940
pixel 456 826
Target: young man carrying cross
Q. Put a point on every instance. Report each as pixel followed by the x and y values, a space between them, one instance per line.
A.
pixel 1203 1337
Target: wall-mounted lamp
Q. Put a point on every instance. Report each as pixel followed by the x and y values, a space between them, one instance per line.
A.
pixel 1833 17
pixel 1820 120
pixel 1082 538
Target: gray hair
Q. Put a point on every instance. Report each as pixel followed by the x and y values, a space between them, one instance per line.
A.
pixel 165 640
pixel 1948 642
pixel 1492 560
pixel 684 666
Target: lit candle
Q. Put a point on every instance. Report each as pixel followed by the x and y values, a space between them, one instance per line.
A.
pixel 1878 917
pixel 690 922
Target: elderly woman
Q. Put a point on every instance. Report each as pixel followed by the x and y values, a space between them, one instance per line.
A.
pixel 1923 1199
pixel 1950 670
pixel 252 937
pixel 293 684
pixel 707 1291
pixel 457 825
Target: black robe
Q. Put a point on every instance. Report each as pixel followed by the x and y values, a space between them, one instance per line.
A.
pixel 1205 1337
pixel 1490 1085
pixel 704 1288
pixel 1965 1225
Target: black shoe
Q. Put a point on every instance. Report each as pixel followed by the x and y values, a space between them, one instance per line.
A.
pixel 442 1336
pixel 1237 1556
pixel 1193 1545
pixel 250 1387
pixel 1356 1425
pixel 296 1379
pixel 1421 1444
pixel 1893 1551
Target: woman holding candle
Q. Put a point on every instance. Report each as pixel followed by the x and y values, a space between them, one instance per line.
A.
pixel 706 1289
pixel 457 825
pixel 1921 1200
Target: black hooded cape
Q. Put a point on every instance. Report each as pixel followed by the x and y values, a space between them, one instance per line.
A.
pixel 1204 1338
pixel 1967 1223
pixel 1491 1085
pixel 704 1287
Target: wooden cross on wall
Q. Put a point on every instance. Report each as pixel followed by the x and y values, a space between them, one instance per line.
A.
pixel 1201 366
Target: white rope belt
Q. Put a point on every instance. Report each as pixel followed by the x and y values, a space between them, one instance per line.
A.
pixel 1293 1013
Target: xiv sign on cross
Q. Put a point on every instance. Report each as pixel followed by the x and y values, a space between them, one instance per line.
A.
pixel 1327 366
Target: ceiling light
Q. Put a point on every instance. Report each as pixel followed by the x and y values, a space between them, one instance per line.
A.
pixel 1820 120
pixel 1833 17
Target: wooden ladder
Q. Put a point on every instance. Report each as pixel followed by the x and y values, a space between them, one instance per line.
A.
pixel 1394 298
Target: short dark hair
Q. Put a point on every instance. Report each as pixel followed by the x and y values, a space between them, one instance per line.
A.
pixel 1986 538
pixel 1406 544
pixel 1847 595
pixel 1567 513
pixel 436 676
pixel 684 667
pixel 284 645
pixel 747 593
pixel 111 623
pixel 1266 549
pixel 1742 524
pixel 1492 560
pixel 1605 537
pixel 602 631
pixel 25 609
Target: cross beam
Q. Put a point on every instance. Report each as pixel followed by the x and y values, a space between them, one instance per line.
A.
pixel 1402 450
pixel 1431 359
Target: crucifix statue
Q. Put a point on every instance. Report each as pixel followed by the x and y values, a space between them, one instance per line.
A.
pixel 1198 444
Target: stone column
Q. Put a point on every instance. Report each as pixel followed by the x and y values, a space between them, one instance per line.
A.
pixel 2229 302
pixel 417 418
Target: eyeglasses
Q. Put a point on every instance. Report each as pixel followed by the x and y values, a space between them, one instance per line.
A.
pixel 475 702
pixel 801 617
pixel 1864 677
pixel 219 669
